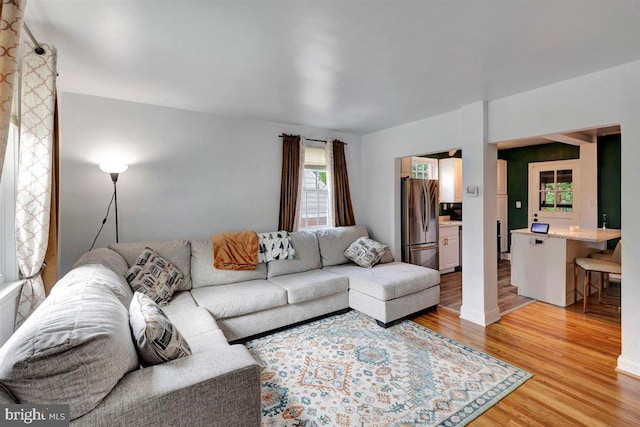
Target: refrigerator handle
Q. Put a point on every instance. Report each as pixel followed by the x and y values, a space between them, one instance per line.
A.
pixel 423 207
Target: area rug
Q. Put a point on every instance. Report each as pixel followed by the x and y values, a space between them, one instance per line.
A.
pixel 347 371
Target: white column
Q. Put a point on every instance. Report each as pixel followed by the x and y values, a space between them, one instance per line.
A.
pixel 629 360
pixel 479 233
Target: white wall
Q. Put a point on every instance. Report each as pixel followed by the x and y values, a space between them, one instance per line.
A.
pixel 191 174
pixel 608 97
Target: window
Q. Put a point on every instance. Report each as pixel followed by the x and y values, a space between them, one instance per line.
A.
pixel 314 211
pixel 556 191
pixel 8 261
pixel 424 168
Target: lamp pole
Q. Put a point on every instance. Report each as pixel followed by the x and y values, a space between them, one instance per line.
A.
pixel 114 178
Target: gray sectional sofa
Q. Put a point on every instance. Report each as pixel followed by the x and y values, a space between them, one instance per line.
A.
pixel 76 348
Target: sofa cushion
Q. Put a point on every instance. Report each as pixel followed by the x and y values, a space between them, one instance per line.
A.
pixel 334 241
pixel 180 301
pixel 157 339
pixel 178 252
pixel 237 299
pixel 154 276
pixel 205 274
pixel 73 349
pixel 275 245
pixel 100 276
pixel 199 328
pixel 307 257
pixel 386 257
pixel 388 281
pixel 104 256
pixel 365 252
pixel 311 285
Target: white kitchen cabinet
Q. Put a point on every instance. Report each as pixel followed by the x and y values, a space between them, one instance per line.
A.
pixel 502 177
pixel 503 217
pixel 405 167
pixel 449 243
pixel 450 180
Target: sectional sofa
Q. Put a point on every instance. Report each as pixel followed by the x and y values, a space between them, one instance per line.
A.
pixel 77 347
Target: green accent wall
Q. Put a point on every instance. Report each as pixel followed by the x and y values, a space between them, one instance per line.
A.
pixel 518 160
pixel 609 179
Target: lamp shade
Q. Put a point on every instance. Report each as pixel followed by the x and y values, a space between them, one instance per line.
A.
pixel 114 167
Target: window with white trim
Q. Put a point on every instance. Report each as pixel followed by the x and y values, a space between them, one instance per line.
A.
pixel 314 211
pixel 424 168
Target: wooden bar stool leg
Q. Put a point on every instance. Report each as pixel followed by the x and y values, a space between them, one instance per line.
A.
pixel 575 283
pixel 600 286
pixel 585 290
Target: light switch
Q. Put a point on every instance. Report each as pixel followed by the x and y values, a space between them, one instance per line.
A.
pixel 518 204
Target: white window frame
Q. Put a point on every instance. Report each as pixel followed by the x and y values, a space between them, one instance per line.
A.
pixel 8 260
pixel 555 218
pixel 315 167
pixel 432 165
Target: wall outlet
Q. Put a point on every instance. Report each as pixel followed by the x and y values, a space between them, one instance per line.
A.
pixel 518 204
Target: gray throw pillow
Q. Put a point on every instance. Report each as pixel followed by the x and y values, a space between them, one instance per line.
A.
pixel 154 276
pixel 365 252
pixel 157 340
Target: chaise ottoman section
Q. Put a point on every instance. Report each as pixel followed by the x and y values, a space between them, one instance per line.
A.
pixel 388 292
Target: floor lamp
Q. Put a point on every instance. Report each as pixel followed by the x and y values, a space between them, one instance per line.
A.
pixel 114 170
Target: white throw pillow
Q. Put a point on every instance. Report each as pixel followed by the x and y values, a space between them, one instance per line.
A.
pixel 154 276
pixel 365 252
pixel 275 245
pixel 156 338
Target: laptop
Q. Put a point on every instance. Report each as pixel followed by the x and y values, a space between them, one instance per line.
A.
pixel 540 228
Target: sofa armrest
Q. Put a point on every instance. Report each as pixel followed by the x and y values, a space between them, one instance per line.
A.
pixel 220 387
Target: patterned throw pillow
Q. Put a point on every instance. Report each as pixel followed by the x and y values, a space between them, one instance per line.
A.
pixel 365 252
pixel 156 339
pixel 154 276
pixel 275 245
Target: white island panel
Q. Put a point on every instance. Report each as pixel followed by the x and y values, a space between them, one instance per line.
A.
pixel 542 265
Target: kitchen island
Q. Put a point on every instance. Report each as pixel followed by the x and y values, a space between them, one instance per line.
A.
pixel 542 265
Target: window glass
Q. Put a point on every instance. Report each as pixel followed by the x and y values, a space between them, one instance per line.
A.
pixel 556 191
pixel 314 211
pixel 424 168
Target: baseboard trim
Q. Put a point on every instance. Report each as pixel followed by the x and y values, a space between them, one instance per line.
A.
pixel 482 318
pixel 628 367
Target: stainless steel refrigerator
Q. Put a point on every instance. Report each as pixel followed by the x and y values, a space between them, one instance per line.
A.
pixel 420 212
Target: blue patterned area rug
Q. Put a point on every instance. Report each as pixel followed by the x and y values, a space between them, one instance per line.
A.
pixel 347 371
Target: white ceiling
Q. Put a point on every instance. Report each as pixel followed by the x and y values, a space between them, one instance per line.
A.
pixel 355 66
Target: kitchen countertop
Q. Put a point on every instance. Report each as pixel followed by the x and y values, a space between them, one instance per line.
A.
pixel 450 223
pixel 584 234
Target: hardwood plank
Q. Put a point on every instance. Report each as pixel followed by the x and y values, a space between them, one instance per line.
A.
pixel 572 356
pixel 508 298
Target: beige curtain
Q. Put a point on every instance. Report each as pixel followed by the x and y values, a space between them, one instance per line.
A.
pixel 11 13
pixel 291 182
pixel 50 272
pixel 341 193
pixel 35 170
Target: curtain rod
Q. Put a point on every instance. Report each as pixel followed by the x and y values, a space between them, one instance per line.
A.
pixel 39 50
pixel 310 139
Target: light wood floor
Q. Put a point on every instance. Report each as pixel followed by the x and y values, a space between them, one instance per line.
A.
pixel 572 357
pixel 508 298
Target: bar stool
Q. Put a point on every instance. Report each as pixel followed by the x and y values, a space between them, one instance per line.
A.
pixel 603 265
